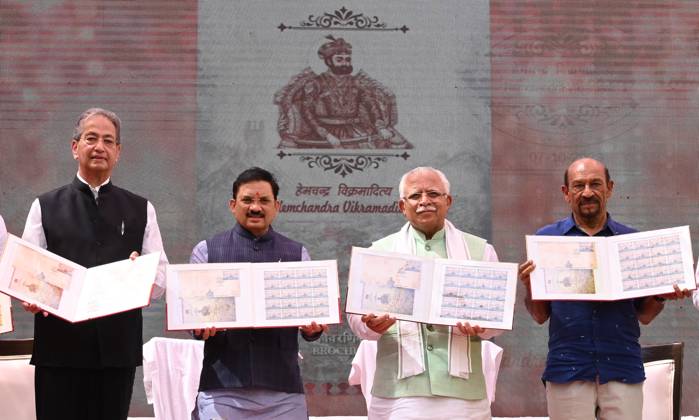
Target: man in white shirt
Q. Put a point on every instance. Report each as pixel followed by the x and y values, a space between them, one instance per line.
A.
pixel 86 370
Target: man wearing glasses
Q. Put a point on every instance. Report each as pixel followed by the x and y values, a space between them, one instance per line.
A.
pixel 252 373
pixel 423 379
pixel 594 361
pixel 86 370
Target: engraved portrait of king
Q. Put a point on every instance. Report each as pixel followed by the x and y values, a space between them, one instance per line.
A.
pixel 337 109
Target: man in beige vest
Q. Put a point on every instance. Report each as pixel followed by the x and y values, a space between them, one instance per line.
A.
pixel 425 383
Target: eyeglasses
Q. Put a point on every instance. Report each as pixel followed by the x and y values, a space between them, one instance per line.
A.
pixel 92 139
pixel 431 195
pixel 262 202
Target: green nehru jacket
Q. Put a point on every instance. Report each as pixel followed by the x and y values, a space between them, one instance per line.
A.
pixel 435 380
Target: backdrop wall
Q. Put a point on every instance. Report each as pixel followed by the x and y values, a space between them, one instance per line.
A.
pixel 499 95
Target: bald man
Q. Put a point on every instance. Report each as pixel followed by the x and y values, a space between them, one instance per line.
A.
pixel 594 359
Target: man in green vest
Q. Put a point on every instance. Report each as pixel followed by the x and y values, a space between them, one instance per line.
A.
pixel 416 364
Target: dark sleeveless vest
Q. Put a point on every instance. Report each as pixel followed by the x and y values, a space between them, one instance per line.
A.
pixel 252 358
pixel 90 233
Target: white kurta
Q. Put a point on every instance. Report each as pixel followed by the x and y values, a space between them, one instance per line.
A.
pixel 408 408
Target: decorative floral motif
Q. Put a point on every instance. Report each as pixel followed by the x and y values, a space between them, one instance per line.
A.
pixel 573 116
pixel 343 19
pixel 343 164
pixel 578 44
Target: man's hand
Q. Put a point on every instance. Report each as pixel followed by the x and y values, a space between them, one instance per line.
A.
pixel 206 333
pixel 524 272
pixel 334 141
pixel 31 307
pixel 313 329
pixel 653 305
pixel 468 329
pixel 134 255
pixel 379 324
pixel 539 310
pixel 677 294
pixel 385 133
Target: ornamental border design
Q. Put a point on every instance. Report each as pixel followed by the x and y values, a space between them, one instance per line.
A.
pixel 343 163
pixel 582 43
pixel 343 19
pixel 573 116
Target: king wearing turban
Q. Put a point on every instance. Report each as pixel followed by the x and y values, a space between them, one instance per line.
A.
pixel 337 109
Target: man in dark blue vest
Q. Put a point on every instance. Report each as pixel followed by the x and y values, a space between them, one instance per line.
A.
pixel 86 370
pixel 252 373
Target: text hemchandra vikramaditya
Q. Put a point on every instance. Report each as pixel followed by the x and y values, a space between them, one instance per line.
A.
pixel 347 206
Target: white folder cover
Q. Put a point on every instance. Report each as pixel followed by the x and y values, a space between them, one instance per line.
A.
pixel 71 291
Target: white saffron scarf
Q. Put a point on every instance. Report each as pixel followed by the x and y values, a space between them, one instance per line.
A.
pixel 411 355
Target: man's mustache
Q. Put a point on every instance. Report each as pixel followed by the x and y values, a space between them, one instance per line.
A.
pixel 590 200
pixel 425 208
pixel 255 214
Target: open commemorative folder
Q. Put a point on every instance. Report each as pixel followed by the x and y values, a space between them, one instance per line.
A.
pixel 71 291
pixel 243 295
pixel 5 314
pixel 612 267
pixel 434 291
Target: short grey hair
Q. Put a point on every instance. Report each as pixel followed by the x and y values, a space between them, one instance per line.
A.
pixel 111 116
pixel 401 185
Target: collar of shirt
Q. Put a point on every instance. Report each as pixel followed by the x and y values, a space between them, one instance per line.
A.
pixel 438 236
pixel 611 228
pixel 435 246
pixel 95 190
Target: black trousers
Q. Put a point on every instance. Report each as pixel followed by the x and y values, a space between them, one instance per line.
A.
pixel 83 394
